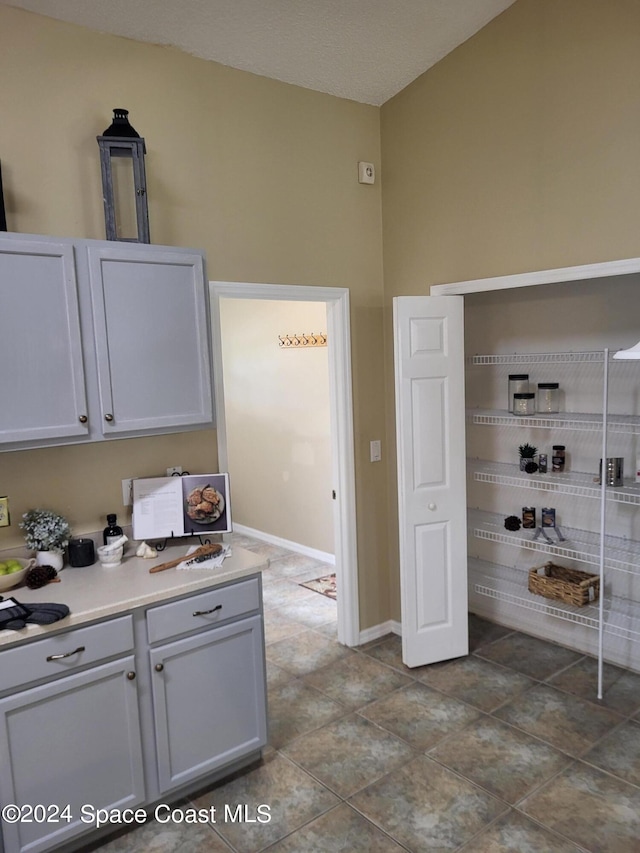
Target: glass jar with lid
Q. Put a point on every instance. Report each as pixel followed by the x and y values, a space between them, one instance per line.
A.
pixel 524 404
pixel 518 384
pixel 548 397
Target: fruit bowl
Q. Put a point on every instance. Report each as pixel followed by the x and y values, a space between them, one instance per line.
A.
pixel 8 581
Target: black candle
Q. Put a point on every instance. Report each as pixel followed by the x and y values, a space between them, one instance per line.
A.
pixel 81 552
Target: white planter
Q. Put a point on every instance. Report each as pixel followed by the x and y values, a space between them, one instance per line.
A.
pixel 50 558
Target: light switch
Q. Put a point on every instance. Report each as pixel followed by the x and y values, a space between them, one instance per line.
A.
pixel 374 451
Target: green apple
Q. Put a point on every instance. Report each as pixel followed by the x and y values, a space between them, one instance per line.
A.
pixel 4 569
pixel 13 566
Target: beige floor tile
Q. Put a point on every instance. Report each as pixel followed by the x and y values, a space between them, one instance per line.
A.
pixel 591 808
pixel 348 754
pixel 427 808
pixel 419 715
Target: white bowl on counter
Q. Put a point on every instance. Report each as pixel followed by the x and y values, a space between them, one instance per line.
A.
pixel 15 578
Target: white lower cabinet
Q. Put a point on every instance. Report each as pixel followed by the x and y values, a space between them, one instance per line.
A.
pixel 72 743
pixel 208 695
pixel 93 719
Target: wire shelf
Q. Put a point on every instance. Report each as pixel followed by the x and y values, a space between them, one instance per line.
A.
pixel 540 358
pixel 510 585
pixel 574 483
pixel 581 545
pixel 628 424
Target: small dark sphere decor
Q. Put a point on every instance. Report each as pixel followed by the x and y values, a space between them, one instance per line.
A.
pixel 512 522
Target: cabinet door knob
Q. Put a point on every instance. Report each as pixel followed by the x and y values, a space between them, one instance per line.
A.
pixel 83 419
pixel 206 612
pixel 432 506
pixel 66 654
pixel 159 667
pixel 131 676
pixel 108 417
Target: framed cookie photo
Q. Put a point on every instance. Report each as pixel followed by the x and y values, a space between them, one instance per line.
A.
pixel 206 502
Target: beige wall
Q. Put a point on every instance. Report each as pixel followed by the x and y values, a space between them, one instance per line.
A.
pixel 260 174
pixel 278 420
pixel 518 151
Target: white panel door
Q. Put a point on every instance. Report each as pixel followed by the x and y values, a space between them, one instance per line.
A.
pixel 429 376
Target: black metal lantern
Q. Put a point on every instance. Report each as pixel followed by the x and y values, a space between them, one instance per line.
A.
pixel 124 182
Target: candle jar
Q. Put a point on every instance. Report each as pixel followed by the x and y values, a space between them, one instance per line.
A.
pixel 548 397
pixel 81 552
pixel 518 384
pixel 524 404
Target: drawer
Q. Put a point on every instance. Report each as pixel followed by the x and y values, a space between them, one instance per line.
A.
pixel 206 608
pixel 77 648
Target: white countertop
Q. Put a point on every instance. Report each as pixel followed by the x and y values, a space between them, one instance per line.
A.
pixel 94 592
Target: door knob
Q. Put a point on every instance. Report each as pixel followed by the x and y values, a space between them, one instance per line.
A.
pixel 159 667
pixel 108 417
pixel 432 506
pixel 83 419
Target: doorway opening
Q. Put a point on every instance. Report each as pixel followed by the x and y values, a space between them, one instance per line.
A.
pixel 341 483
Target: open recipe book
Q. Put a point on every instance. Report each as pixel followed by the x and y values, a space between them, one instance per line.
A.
pixel 193 505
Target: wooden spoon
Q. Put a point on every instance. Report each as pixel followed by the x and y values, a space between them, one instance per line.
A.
pixel 202 551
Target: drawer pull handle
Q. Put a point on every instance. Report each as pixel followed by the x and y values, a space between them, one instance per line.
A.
pixel 108 417
pixel 83 419
pixel 131 675
pixel 206 612
pixel 159 667
pixel 66 654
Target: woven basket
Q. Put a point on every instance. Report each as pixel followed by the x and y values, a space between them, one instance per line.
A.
pixel 563 584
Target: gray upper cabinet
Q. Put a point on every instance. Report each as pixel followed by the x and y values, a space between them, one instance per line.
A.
pixel 42 376
pixel 100 340
pixel 151 337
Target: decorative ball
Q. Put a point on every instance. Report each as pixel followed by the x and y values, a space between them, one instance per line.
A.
pixel 531 467
pixel 512 522
pixel 40 576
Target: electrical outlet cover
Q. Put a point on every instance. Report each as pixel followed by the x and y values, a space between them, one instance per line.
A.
pixel 5 521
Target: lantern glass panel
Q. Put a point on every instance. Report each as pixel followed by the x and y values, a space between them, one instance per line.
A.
pixel 124 196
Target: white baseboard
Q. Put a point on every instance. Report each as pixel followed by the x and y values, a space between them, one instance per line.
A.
pixel 285 543
pixel 381 630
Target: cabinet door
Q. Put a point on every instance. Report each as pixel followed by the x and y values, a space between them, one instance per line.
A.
pixel 429 371
pixel 209 700
pixel 75 742
pixel 41 368
pixel 151 335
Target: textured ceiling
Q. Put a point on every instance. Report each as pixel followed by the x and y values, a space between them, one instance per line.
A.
pixel 364 50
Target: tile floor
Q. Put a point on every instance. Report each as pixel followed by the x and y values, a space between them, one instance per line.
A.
pixel 504 750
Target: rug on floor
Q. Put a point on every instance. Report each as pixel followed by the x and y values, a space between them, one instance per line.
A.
pixel 325 586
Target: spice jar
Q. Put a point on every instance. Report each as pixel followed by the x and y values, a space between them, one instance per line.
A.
pixel 518 384
pixel 558 458
pixel 548 397
pixel 524 404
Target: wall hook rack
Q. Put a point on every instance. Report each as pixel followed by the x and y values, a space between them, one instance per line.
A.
pixel 303 340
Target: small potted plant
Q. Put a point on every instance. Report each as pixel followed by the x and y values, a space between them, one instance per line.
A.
pixel 527 458
pixel 46 533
